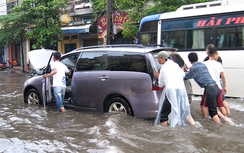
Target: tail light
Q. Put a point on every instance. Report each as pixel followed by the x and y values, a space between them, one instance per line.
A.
pixel 154 87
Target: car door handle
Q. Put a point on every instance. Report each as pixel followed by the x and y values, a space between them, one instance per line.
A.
pixel 103 78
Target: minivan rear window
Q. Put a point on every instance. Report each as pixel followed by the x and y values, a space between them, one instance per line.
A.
pixel 121 61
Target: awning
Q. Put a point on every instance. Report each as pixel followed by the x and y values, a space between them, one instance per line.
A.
pixel 76 29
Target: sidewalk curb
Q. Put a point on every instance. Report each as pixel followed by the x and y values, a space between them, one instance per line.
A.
pixel 19 69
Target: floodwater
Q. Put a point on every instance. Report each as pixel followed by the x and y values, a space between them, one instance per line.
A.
pixel 33 128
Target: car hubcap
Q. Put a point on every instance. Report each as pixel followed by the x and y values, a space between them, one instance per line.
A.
pixel 33 99
pixel 117 108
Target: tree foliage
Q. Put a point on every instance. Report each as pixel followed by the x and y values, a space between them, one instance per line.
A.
pixel 137 9
pixel 43 18
pixel 34 19
pixel 13 30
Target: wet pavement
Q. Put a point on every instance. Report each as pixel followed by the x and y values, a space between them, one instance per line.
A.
pixel 33 128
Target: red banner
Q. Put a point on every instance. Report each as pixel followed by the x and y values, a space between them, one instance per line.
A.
pixel 102 26
pixel 119 18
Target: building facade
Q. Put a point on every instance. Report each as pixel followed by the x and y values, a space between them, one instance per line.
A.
pixel 77 26
pixel 12 52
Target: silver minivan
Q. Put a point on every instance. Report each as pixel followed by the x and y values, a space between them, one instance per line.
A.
pixel 112 78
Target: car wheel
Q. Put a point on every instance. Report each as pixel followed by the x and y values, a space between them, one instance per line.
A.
pixel 119 105
pixel 32 97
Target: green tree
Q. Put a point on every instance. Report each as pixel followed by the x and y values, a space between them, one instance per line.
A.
pixel 44 20
pixel 13 30
pixel 137 9
pixel 34 19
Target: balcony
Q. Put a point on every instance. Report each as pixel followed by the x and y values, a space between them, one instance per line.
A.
pixel 79 9
pixel 79 22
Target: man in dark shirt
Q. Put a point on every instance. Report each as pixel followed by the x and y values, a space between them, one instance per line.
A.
pixel 199 72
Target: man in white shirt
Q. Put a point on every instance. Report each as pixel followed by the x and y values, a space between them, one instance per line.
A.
pixel 174 108
pixel 211 48
pixel 216 71
pixel 59 80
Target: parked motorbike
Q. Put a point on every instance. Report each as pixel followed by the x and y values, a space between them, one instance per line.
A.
pixel 4 65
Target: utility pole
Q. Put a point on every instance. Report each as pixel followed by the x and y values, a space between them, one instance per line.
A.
pixel 109 20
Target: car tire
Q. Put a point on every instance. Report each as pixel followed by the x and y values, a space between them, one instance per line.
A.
pixel 32 97
pixel 118 105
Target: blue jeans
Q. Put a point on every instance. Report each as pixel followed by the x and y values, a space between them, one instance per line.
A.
pixel 59 93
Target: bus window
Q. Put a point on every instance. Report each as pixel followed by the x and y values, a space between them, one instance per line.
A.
pixel 174 39
pixel 202 37
pixel 198 39
pixel 209 37
pixel 236 40
pixel 229 37
pixel 188 39
pixel 149 39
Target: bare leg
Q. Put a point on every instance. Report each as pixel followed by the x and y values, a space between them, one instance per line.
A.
pixel 204 110
pixel 226 119
pixel 62 109
pixel 223 110
pixel 191 120
pixel 226 105
pixel 221 115
pixel 216 119
pixel 165 123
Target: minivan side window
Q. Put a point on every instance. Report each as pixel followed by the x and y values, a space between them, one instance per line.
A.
pixel 92 61
pixel 69 61
pixel 127 61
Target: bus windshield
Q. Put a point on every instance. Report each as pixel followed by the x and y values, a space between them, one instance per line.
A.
pixel 147 34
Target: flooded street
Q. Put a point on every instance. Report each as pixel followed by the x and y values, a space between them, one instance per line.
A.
pixel 33 128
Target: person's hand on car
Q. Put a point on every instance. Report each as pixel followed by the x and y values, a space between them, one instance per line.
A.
pixel 156 74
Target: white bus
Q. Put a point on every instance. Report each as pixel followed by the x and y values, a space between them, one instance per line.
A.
pixel 192 27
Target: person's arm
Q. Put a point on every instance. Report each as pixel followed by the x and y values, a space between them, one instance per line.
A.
pixel 54 71
pixel 70 72
pixel 156 74
pixel 222 75
pixel 190 74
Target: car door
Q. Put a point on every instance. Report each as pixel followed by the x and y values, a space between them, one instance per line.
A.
pixel 46 86
pixel 90 79
pixel 69 60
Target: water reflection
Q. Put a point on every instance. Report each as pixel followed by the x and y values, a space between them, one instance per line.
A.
pixel 36 129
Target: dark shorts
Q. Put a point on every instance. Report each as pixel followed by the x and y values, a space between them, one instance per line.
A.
pixel 219 103
pixel 212 95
